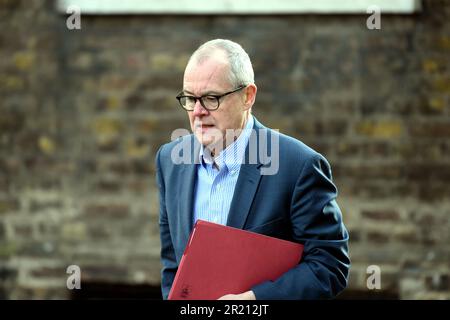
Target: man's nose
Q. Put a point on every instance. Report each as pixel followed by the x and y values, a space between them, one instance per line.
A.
pixel 198 109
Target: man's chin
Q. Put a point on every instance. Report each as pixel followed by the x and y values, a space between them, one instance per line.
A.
pixel 205 141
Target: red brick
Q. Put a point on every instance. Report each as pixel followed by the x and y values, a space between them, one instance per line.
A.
pixel 431 129
pixel 107 210
pixel 381 215
pixel 377 237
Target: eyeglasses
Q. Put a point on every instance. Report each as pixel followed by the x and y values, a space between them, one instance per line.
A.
pixel 210 102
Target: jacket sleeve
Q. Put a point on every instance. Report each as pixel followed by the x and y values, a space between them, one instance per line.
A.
pixel 168 259
pixel 317 223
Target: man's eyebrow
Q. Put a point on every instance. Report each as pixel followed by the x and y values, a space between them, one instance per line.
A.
pixel 211 92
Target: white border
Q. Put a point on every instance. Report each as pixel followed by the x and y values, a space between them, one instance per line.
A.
pixel 108 7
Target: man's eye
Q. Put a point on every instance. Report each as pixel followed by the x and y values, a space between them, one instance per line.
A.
pixel 210 99
pixel 190 99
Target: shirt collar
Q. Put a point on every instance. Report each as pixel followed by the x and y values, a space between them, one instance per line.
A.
pixel 232 156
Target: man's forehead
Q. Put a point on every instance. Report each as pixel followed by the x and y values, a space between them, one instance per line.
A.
pixel 206 67
pixel 201 88
pixel 212 55
pixel 206 77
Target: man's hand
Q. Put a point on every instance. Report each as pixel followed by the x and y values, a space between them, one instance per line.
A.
pixel 248 295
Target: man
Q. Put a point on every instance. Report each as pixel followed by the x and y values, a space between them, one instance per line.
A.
pixel 222 184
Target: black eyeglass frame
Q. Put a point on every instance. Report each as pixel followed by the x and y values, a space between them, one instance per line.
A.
pixel 217 97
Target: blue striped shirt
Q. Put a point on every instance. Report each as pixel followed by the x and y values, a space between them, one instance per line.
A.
pixel 215 186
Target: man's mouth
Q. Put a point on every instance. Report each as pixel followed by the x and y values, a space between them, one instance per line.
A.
pixel 203 126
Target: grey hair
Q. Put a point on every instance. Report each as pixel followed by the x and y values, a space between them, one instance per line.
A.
pixel 241 70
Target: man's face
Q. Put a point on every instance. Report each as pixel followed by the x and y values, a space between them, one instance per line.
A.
pixel 210 77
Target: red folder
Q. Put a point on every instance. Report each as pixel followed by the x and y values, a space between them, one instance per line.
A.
pixel 219 260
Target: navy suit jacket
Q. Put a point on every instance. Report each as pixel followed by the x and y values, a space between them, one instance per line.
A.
pixel 298 203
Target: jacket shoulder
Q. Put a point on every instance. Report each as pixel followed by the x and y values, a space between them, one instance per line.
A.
pixel 290 148
pixel 186 142
pixel 294 147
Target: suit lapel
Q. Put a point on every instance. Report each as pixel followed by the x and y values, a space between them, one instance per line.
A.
pixel 247 184
pixel 186 188
pixel 244 193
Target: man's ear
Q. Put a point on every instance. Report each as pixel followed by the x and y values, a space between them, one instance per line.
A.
pixel 250 96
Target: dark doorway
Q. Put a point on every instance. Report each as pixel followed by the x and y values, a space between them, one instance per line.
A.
pixel 102 290
pixel 350 294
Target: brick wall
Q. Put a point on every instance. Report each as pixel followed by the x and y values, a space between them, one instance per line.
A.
pixel 83 113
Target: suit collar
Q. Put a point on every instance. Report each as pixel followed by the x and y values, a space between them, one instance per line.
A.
pixel 186 188
pixel 248 181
